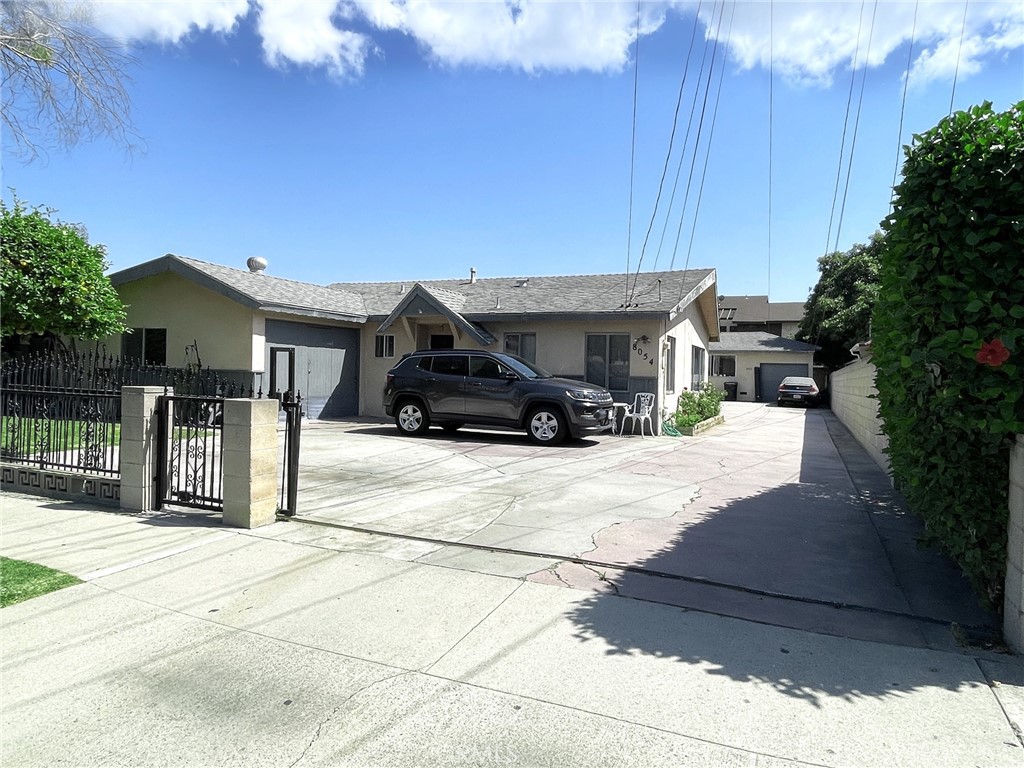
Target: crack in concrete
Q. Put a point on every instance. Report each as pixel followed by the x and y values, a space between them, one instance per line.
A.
pixel 604 578
pixel 333 712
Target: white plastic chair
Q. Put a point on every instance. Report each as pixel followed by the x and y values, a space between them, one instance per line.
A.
pixel 640 410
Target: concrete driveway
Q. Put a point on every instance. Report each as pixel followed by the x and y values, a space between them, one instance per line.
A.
pixel 777 516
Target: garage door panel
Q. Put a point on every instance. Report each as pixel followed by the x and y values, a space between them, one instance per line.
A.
pixel 326 365
pixel 772 374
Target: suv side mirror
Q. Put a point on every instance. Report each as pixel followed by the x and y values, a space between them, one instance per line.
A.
pixel 509 376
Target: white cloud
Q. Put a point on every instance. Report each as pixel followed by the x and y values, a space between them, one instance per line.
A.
pixel 806 41
pixel 166 22
pixel 809 42
pixel 525 34
pixel 304 32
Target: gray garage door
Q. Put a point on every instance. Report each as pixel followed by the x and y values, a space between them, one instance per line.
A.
pixel 319 361
pixel 770 375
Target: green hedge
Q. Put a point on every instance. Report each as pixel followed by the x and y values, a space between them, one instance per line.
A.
pixel 948 333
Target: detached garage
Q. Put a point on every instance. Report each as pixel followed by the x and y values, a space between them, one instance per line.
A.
pixel 757 362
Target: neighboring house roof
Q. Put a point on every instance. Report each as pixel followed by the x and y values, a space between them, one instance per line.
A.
pixel 757 309
pixel 256 290
pixel 757 341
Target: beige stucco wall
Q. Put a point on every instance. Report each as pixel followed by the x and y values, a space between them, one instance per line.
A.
pixel 222 329
pixel 853 399
pixel 747 361
pixel 561 349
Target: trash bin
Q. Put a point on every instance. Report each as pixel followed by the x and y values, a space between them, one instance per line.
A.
pixel 731 387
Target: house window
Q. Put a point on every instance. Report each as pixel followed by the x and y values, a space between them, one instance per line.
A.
pixel 522 344
pixel 145 345
pixel 670 365
pixel 723 365
pixel 384 345
pixel 608 360
pixel 697 369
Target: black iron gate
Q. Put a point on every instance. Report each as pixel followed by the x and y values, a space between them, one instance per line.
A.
pixel 190 456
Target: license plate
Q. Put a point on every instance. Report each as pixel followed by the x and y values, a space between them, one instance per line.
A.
pixel 797 397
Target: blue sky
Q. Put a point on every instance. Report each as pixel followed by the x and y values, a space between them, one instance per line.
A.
pixel 352 141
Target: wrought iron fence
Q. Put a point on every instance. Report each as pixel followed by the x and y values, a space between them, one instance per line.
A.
pixel 62 429
pixel 97 371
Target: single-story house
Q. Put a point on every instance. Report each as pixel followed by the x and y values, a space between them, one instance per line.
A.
pixel 334 344
pixel 756 362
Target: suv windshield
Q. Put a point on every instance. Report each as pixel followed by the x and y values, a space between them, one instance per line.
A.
pixel 525 369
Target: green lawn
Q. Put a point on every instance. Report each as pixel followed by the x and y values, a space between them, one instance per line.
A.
pixel 22 581
pixel 63 434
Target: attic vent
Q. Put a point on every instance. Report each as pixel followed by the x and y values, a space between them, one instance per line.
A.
pixel 256 264
pixel 522 283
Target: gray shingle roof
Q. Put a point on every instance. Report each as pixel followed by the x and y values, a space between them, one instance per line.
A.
pixel 656 292
pixel 757 341
pixel 259 291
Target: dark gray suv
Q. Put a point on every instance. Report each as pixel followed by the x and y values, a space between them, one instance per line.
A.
pixel 453 387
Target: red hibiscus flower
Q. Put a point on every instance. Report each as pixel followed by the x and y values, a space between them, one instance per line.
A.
pixel 993 353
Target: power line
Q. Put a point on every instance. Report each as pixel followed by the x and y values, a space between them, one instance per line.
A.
pixel 711 136
pixel 632 156
pixel 903 105
pixel 686 139
pixel 696 143
pixel 846 123
pixel 959 50
pixel 856 122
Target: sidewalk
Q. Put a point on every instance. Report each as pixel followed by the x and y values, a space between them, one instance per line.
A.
pixel 191 644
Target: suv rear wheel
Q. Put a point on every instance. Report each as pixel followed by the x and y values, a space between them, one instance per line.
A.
pixel 411 418
pixel 546 425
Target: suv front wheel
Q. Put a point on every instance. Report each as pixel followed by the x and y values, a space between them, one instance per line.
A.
pixel 411 418
pixel 546 426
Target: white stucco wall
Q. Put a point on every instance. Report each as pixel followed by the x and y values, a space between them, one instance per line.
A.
pixel 221 328
pixel 853 398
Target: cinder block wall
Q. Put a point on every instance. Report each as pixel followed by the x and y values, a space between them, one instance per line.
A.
pixel 1013 602
pixel 853 402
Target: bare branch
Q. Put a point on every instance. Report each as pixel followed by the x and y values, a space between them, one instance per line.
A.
pixel 62 81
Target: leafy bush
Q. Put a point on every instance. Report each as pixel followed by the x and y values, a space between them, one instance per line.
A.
pixel 695 407
pixel 948 333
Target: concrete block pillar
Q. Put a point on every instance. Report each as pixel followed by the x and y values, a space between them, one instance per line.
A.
pixel 1013 600
pixel 250 462
pixel 138 447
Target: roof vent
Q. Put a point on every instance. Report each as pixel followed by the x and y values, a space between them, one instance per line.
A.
pixel 497 302
pixel 472 275
pixel 401 288
pixel 523 283
pixel 256 264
